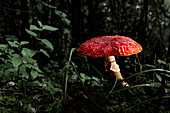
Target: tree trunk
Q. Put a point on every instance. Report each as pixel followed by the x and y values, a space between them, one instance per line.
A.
pixel 76 21
pixel 143 24
pixel 24 16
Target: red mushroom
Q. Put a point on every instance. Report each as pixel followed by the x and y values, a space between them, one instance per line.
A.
pixel 108 46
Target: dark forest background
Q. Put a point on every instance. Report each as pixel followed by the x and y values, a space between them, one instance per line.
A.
pixel 147 22
pixel 73 22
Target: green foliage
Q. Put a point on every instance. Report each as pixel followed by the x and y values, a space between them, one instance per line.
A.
pixel 160 65
pixel 125 99
pixel 44 94
pixel 45 42
pixel 21 74
pixel 18 60
pixel 31 32
pixel 85 79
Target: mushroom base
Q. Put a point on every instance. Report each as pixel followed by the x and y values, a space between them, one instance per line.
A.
pixel 113 68
pixel 116 75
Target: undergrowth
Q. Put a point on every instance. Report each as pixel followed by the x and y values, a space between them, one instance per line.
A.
pixel 27 87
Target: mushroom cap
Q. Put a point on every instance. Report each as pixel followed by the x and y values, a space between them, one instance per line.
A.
pixel 105 46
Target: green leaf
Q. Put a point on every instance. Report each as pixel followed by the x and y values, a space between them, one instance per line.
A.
pixel 24 42
pixel 45 53
pixel 47 43
pixel 158 77
pixel 40 75
pixel 16 61
pixel 50 28
pixel 73 77
pixel 58 13
pixel 11 38
pixel 63 15
pixel 161 62
pixel 47 5
pixel 40 7
pixel 3 46
pixel 33 27
pixel 67 21
pixel 156 84
pixel 37 96
pixel 40 24
pixel 10 70
pixel 23 71
pixel 37 69
pixel 28 66
pixel 1 53
pixel 47 88
pixel 36 82
pixel 12 44
pixel 31 32
pixel 28 52
pixel 34 74
pixel 58 90
pixel 29 60
pixel 148 65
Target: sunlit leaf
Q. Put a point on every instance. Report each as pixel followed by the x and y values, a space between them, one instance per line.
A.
pixel 148 65
pixel 28 52
pixel 37 69
pixel 156 84
pixel 67 21
pixel 24 42
pixel 37 96
pixel 161 61
pixel 23 71
pixel 45 53
pixel 28 66
pixel 58 13
pixel 47 88
pixel 3 46
pixel 33 27
pixel 158 77
pixel 47 43
pixel 50 28
pixel 47 5
pixel 40 75
pixel 34 74
pixel 31 32
pixel 12 44
pixel 16 61
pixel 58 90
pixel 40 7
pixel 29 60
pixel 40 24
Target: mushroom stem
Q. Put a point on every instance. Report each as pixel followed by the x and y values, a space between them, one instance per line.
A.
pixel 113 68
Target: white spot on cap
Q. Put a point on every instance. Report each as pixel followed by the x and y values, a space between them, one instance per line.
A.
pixel 115 48
pixel 123 49
pixel 119 50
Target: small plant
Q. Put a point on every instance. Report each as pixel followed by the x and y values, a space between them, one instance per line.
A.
pixel 21 75
pixel 16 60
pixel 39 29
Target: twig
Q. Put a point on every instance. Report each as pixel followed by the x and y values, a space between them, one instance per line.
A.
pixel 9 90
pixel 17 10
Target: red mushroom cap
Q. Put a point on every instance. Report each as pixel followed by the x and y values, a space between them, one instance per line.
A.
pixel 105 46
